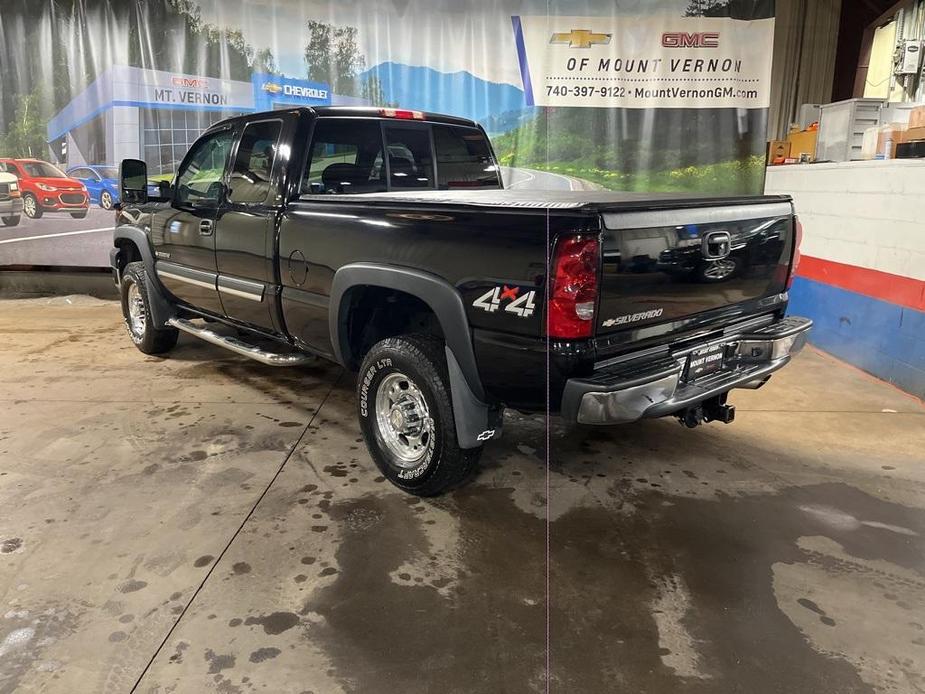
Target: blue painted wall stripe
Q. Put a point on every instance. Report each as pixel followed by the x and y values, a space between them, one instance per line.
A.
pixel 883 339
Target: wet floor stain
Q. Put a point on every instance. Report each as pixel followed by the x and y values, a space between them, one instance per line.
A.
pixel 217 662
pixel 10 545
pixel 275 623
pixel 262 654
pixel 813 607
pixel 241 567
pixel 608 578
pixel 132 586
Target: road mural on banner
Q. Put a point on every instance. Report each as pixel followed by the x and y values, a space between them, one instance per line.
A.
pixel 650 95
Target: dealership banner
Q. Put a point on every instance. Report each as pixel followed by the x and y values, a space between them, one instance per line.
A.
pixel 663 61
pixel 640 95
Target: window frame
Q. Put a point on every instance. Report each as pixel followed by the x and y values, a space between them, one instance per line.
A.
pixel 233 157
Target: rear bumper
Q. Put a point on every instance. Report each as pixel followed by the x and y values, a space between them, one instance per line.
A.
pixel 656 387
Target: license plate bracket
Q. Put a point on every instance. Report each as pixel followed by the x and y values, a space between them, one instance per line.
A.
pixel 705 361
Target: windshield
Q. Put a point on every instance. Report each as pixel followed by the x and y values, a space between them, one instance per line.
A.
pixel 108 171
pixel 41 169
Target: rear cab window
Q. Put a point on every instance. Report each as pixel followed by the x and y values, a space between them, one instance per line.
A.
pixel 345 157
pixel 363 155
pixel 464 159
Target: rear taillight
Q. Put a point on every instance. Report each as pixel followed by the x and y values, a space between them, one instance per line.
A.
pixel 573 287
pixel 797 240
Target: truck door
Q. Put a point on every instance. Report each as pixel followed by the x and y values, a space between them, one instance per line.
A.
pixel 245 224
pixel 184 232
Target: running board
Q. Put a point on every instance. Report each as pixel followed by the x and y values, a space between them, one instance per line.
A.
pixel 242 348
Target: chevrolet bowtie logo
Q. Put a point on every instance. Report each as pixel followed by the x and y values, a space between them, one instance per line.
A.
pixel 272 88
pixel 580 38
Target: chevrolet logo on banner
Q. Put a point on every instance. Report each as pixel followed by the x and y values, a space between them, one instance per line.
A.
pixel 580 38
pixel 272 88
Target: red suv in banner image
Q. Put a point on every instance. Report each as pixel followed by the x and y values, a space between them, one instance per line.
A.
pixel 45 188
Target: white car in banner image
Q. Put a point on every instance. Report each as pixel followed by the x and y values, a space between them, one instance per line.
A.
pixel 10 200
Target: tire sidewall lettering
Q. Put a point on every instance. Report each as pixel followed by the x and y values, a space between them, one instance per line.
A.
pixel 416 472
pixel 367 381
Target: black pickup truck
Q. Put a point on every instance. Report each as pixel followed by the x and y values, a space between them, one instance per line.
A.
pixel 382 239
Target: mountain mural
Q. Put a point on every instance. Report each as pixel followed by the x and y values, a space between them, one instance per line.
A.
pixel 497 106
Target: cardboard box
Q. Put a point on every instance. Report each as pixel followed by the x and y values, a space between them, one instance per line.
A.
pixel 778 150
pixel 907 135
pixel 917 117
pixel 911 134
pixel 803 143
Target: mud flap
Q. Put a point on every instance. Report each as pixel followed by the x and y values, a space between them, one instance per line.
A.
pixel 476 422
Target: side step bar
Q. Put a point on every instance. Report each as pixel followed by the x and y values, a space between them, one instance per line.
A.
pixel 242 348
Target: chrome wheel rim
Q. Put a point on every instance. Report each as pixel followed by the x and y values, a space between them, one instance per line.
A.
pixel 106 200
pixel 720 269
pixel 403 419
pixel 29 206
pixel 136 311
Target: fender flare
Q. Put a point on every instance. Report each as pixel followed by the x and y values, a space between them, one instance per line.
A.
pixel 161 309
pixel 472 414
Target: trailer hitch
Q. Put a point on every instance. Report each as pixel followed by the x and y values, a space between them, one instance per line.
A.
pixel 712 410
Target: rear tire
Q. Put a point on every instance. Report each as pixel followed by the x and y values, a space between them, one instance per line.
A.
pixel 11 221
pixel 136 309
pixel 106 200
pixel 406 415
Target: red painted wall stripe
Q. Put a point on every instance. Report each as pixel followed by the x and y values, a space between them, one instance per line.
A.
pixel 894 289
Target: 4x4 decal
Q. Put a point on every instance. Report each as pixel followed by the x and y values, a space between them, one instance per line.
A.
pixel 522 305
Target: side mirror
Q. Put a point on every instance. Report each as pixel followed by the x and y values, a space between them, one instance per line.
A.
pixel 133 181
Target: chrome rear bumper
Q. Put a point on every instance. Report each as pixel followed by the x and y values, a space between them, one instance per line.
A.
pixel 634 390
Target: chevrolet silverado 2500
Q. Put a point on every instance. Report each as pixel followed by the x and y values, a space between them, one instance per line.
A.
pixel 383 240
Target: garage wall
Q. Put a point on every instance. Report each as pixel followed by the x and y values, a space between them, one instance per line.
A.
pixel 862 277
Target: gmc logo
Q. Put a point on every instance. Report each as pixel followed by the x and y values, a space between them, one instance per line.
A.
pixel 681 39
pixel 194 82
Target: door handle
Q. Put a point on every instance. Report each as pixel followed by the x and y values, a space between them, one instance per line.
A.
pixel 205 227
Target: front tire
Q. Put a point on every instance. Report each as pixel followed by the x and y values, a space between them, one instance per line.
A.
pixel 136 309
pixel 30 205
pixel 11 221
pixel 406 415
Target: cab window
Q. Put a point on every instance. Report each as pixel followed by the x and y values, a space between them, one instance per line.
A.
pixel 464 159
pixel 199 180
pixel 343 158
pixel 410 159
pixel 253 164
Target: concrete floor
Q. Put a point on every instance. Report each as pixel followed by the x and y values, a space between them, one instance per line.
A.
pixel 204 523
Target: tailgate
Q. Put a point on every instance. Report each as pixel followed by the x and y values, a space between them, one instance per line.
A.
pixel 664 265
